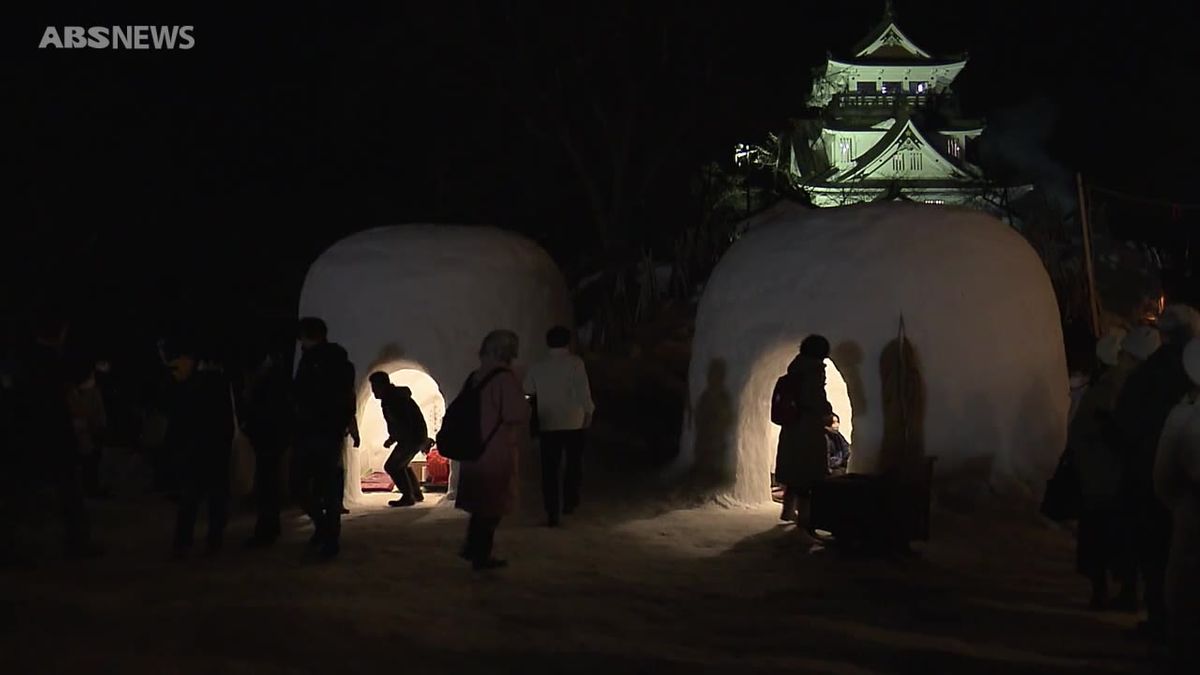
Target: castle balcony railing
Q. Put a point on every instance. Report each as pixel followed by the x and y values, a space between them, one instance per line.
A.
pixel 856 100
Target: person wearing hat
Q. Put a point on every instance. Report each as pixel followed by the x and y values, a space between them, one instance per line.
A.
pixel 1153 389
pixel 200 433
pixel 800 408
pixel 1177 484
pixel 1100 470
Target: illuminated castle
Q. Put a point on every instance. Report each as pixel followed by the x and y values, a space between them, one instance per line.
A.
pixel 887 126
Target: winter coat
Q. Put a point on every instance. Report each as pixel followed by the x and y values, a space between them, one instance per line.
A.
pixel 838 450
pixel 200 420
pixel 1149 394
pixel 564 396
pixel 488 486
pixel 324 391
pixel 267 417
pixel 1177 484
pixel 802 456
pixel 1095 451
pixel 405 422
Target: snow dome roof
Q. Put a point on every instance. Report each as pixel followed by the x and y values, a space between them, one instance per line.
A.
pixel 423 297
pixel 978 308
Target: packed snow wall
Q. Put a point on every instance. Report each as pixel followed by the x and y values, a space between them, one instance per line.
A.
pixel 978 310
pixel 423 297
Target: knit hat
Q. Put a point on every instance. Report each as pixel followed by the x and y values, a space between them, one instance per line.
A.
pixel 1108 347
pixel 1141 342
pixel 1191 360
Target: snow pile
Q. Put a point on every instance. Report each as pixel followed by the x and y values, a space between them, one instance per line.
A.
pixel 978 307
pixel 423 297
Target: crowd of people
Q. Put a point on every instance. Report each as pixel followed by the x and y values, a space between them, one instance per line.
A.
pixel 1133 466
pixel 1133 448
pixel 307 417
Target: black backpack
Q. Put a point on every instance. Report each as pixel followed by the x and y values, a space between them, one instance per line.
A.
pixel 459 438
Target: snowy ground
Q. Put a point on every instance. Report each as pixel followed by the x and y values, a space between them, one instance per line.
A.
pixel 627 586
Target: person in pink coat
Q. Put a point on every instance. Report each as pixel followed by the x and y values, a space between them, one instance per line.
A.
pixel 487 487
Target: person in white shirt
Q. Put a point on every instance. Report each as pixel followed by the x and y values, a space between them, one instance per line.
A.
pixel 558 386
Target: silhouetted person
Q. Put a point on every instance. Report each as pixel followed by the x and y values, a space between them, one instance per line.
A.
pixel 1177 484
pixel 562 397
pixel 406 432
pixel 200 433
pixel 487 488
pixel 46 441
pixel 268 423
pixel 1098 460
pixel 1151 391
pixel 90 420
pixel 325 402
pixel 800 408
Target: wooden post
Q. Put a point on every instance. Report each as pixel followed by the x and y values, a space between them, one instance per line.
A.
pixel 1085 225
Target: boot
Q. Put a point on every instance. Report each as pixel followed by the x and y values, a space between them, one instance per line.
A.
pixel 790 512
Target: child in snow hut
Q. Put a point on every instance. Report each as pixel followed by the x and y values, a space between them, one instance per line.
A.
pixel 838 447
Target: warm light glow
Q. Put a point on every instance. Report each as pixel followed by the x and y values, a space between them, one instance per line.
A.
pixel 372 427
pixel 839 397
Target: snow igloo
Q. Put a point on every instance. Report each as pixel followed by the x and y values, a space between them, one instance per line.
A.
pixel 415 301
pixel 979 314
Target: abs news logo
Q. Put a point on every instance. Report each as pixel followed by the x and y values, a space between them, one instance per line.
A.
pixel 118 37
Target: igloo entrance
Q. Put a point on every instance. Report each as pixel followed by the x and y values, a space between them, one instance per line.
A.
pixel 775 364
pixel 373 429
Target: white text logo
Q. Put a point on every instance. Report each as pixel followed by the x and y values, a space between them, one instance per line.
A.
pixel 118 37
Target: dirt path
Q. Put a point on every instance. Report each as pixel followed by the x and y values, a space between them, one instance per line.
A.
pixel 651 590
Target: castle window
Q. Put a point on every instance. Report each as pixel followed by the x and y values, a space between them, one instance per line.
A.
pixel 893 87
pixel 898 163
pixel 867 88
pixel 954 147
pixel 917 87
pixel 914 161
pixel 846 150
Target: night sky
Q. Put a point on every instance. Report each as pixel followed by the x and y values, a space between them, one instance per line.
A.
pixel 143 184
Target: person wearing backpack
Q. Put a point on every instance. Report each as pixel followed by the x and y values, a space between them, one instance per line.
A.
pixel 485 428
pixel 407 432
pixel 799 407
